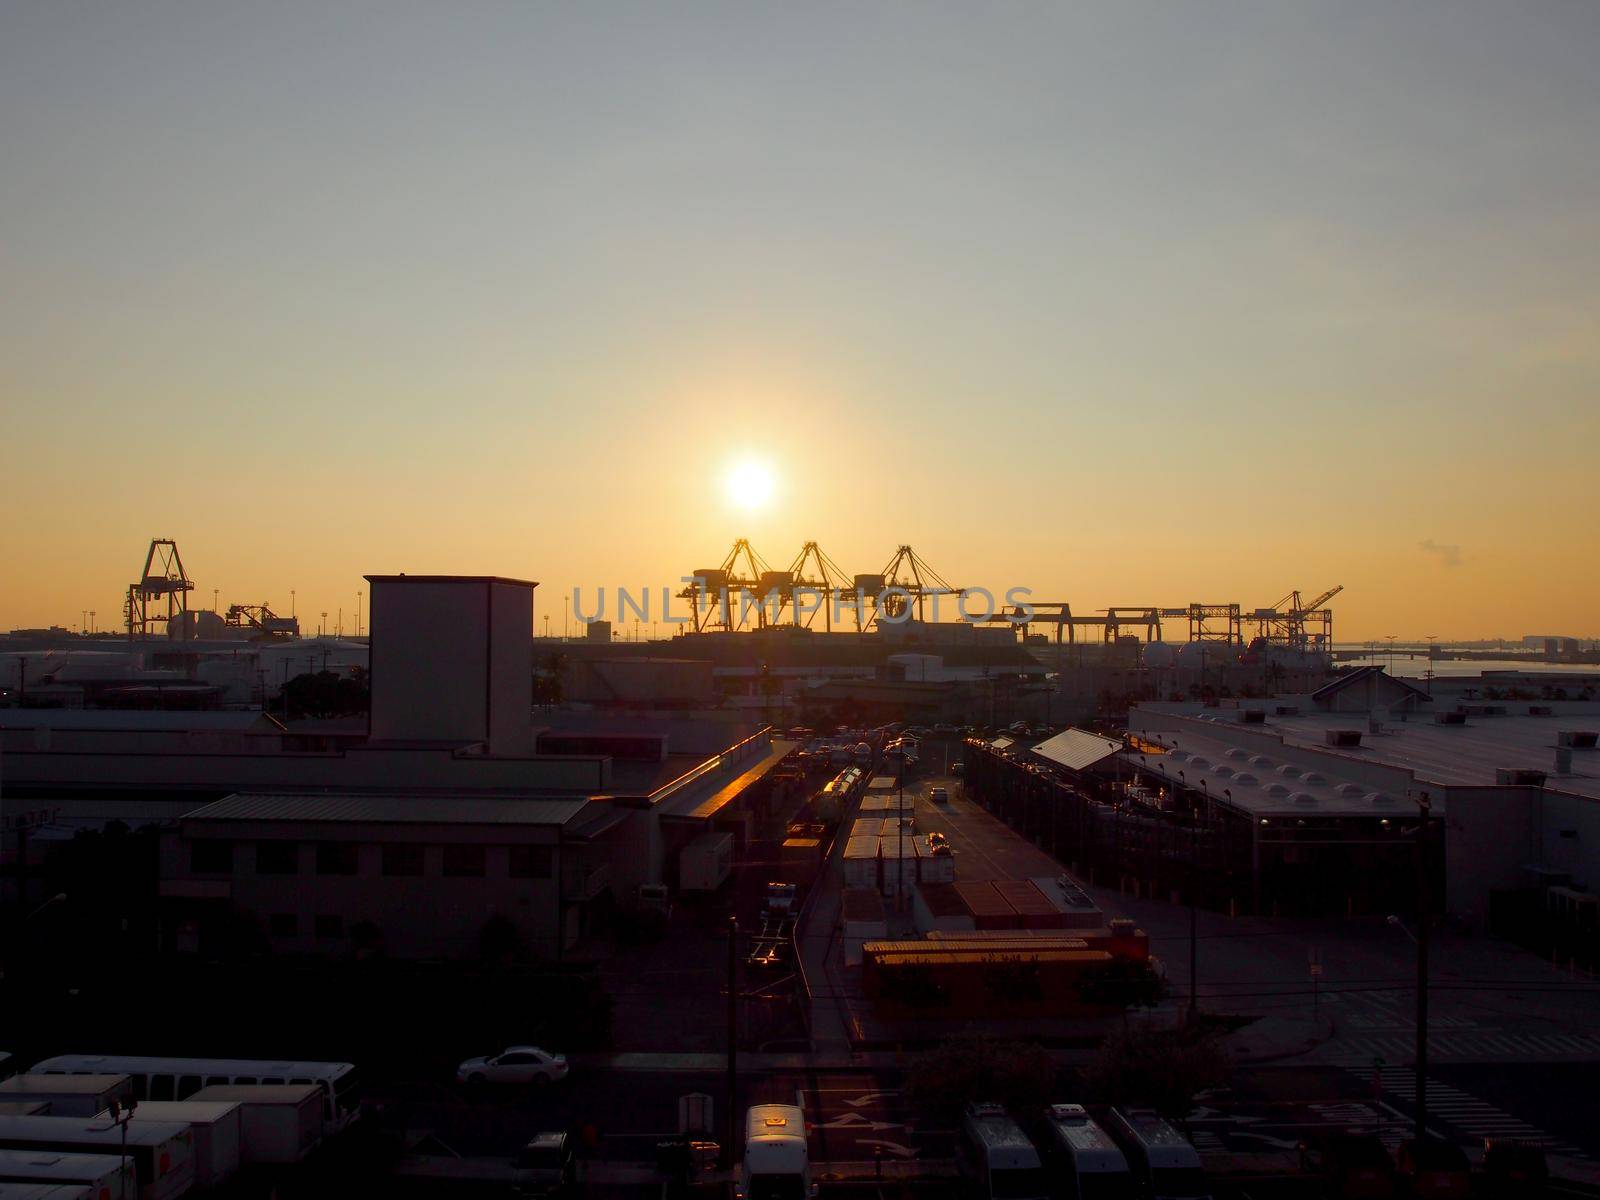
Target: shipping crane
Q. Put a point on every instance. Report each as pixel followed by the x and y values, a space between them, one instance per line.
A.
pixel 716 594
pixel 1296 624
pixel 905 583
pixel 261 618
pixel 163 578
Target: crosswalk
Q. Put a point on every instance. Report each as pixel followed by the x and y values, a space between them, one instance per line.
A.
pixel 1464 1112
pixel 1478 1045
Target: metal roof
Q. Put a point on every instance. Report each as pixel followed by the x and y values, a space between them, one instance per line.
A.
pixel 1077 749
pixel 375 809
pixel 121 720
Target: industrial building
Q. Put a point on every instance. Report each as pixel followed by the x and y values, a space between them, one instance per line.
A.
pixel 457 802
pixel 1312 804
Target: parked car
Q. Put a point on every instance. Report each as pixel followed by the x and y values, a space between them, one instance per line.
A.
pixel 1356 1166
pixel 545 1166
pixel 1514 1168
pixel 515 1064
pixel 1433 1168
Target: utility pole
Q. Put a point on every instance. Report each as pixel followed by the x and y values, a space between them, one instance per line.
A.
pixel 730 1122
pixel 1194 882
pixel 1421 1102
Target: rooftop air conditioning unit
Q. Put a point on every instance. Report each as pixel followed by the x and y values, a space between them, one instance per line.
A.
pixel 1519 777
pixel 1450 718
pixel 1577 739
pixel 1252 716
pixel 1286 710
pixel 1342 737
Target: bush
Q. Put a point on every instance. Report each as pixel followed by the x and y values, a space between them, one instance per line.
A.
pixel 971 1067
pixel 1162 1069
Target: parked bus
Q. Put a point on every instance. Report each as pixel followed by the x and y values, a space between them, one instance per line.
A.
pixel 998 1160
pixel 1159 1156
pixel 162 1152
pixel 180 1078
pixel 106 1177
pixel 1081 1159
pixel 776 1165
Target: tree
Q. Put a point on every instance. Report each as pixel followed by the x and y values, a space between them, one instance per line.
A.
pixel 1161 1069
pixel 1122 983
pixel 971 1067
pixel 325 694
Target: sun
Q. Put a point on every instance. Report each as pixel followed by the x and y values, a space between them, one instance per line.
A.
pixel 750 484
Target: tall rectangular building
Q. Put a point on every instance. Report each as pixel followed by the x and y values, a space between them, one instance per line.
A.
pixel 452 660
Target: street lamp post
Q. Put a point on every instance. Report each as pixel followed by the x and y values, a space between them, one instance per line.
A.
pixel 730 1121
pixel 1421 1102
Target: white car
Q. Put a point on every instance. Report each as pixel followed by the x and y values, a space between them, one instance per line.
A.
pixel 515 1064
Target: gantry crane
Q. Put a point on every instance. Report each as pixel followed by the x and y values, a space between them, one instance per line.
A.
pixel 1296 624
pixel 716 594
pixel 907 581
pixel 163 578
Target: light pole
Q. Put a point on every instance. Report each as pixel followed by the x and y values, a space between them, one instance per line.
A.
pixel 1425 808
pixel 1390 639
pixel 1432 637
pixel 730 1121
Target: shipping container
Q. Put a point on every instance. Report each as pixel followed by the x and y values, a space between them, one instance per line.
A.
pixel 705 863
pixel 68 1095
pixel 162 1152
pixel 278 1123
pixel 218 1134
pixel 106 1176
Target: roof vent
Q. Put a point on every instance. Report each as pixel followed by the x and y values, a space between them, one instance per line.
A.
pixel 1449 718
pixel 1289 772
pixel 1069 1114
pixel 1304 799
pixel 1379 798
pixel 1518 777
pixel 1236 752
pixel 1277 789
pixel 1342 737
pixel 1245 777
pixel 1348 789
pixel 1577 739
pixel 1260 760
pixel 1314 777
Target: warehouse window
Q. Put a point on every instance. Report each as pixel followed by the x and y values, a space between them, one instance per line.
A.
pixel 336 858
pixel 402 859
pixel 277 858
pixel 531 862
pixel 211 857
pixel 463 861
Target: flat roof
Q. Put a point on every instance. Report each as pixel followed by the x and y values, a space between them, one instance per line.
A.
pixel 450 579
pixel 1466 755
pixel 709 805
pixel 1077 749
pixel 387 809
pixel 126 720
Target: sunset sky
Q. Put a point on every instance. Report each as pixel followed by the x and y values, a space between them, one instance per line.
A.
pixel 1130 304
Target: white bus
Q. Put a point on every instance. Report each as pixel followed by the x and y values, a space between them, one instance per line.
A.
pixel 998 1160
pixel 1081 1159
pixel 46 1191
pixel 180 1078
pixel 776 1163
pixel 162 1152
pixel 107 1177
pixel 1161 1159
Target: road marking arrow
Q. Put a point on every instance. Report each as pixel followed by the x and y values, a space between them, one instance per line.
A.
pixel 891 1147
pixel 857 1121
pixel 868 1098
pixel 1271 1141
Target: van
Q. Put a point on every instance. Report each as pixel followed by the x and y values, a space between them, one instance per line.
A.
pixel 1165 1164
pixel 1081 1159
pixel 776 1164
pixel 996 1157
